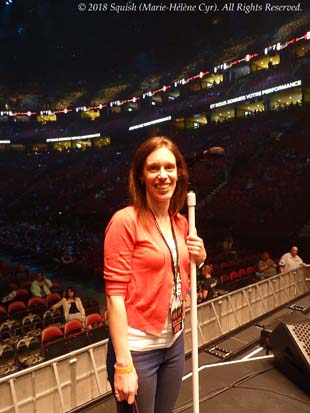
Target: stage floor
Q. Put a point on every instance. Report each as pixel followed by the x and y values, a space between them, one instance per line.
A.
pixel 253 386
pixel 247 383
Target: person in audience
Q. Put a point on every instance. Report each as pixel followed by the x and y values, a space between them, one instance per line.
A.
pixel 7 293
pixel 66 261
pixel 146 265
pixel 72 306
pixel 21 273
pixel 40 287
pixel 66 258
pixel 207 284
pixel 6 268
pixel 291 260
pixel 266 266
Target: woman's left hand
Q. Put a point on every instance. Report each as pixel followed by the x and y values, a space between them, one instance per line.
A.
pixel 196 248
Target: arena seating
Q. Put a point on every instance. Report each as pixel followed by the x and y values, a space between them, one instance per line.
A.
pixel 75 334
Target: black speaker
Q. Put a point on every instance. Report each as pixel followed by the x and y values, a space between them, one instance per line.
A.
pixel 290 344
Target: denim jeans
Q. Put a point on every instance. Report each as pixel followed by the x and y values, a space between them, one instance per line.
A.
pixel 160 375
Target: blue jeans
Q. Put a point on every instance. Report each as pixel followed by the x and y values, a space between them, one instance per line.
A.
pixel 160 376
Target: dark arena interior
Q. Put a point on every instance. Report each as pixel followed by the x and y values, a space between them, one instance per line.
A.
pixel 82 86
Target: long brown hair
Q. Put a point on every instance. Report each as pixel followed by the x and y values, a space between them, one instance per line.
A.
pixel 137 190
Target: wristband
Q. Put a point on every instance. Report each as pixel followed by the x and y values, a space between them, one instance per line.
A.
pixel 123 370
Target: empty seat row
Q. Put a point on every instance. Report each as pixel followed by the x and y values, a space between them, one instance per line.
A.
pixel 56 342
pixel 29 323
pixel 18 351
pixel 235 275
pixel 18 308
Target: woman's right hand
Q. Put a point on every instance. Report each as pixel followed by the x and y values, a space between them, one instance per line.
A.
pixel 126 386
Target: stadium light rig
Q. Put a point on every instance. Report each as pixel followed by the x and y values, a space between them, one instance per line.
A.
pixel 179 82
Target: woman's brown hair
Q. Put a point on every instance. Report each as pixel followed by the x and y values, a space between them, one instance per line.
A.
pixel 136 186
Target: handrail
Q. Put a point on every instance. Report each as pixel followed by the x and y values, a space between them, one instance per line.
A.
pixel 80 376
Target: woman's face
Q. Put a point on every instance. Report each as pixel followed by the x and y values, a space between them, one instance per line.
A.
pixel 70 293
pixel 160 176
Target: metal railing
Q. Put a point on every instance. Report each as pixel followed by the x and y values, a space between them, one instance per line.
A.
pixel 61 384
pixel 229 312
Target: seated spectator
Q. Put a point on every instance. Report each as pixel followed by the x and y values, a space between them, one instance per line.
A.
pixel 6 269
pixel 21 273
pixel 66 262
pixel 40 287
pixel 7 293
pixel 66 258
pixel 291 261
pixel 72 306
pixel 78 258
pixel 266 266
pixel 206 284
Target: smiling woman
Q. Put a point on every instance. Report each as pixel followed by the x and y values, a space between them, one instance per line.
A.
pixel 142 160
pixel 159 177
pixel 146 256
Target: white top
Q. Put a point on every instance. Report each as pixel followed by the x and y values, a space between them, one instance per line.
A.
pixel 139 340
pixel 290 263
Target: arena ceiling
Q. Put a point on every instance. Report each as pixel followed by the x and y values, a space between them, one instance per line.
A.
pixel 57 41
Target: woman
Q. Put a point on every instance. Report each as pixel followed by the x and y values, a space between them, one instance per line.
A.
pixel 146 255
pixel 72 305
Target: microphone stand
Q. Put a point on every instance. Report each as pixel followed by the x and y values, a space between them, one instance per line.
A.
pixel 191 203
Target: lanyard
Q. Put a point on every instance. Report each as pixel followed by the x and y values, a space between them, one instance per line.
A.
pixel 174 265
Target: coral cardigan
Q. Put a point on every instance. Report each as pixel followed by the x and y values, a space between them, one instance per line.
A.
pixel 137 266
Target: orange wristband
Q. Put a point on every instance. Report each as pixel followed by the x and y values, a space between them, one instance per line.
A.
pixel 123 370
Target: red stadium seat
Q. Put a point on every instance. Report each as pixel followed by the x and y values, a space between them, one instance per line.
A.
pixel 22 294
pixel 73 327
pixel 93 320
pixel 224 278
pixel 242 272
pixel 52 299
pixel 250 270
pixel 234 275
pixel 77 337
pixel 3 313
pixel 17 309
pixel 54 342
pixel 96 329
pixel 37 305
pixel 51 333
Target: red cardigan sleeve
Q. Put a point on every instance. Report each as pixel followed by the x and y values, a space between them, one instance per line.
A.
pixel 118 249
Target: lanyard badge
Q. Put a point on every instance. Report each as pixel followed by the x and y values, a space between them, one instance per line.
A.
pixel 176 314
pixel 176 308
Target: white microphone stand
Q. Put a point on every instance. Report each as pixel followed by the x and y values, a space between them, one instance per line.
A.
pixel 191 203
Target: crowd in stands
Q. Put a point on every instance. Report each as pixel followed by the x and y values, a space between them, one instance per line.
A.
pixel 65 207
pixel 269 180
pixel 54 207
pixel 38 322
